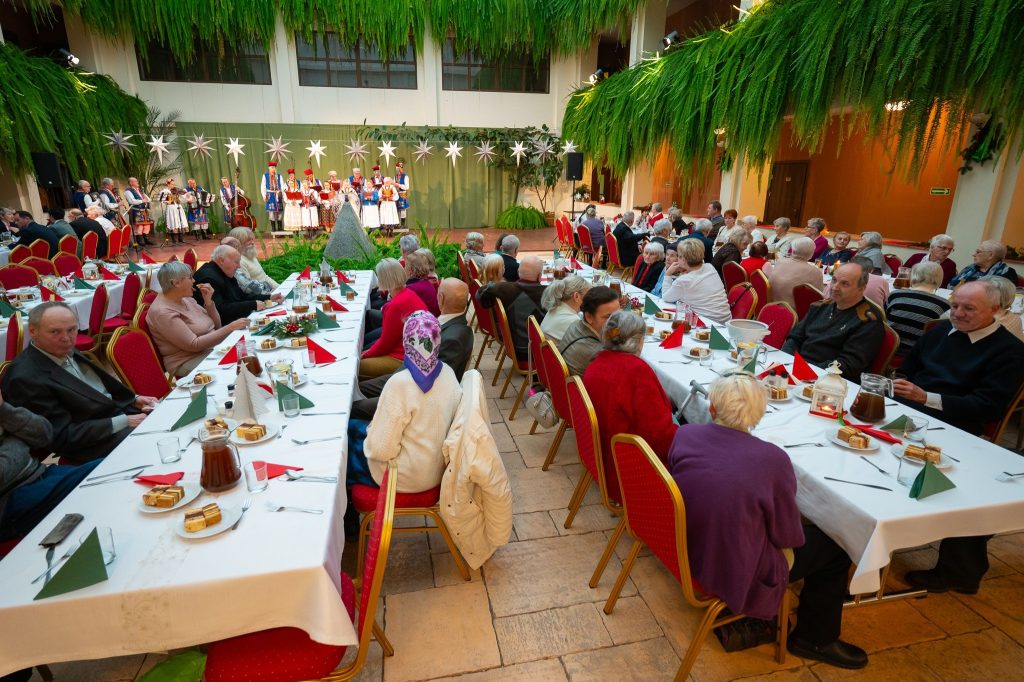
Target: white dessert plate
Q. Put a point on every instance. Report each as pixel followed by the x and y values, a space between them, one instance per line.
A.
pixel 187 383
pixel 228 516
pixel 798 391
pixel 945 463
pixel 271 432
pixel 192 491
pixel 833 436
pixel 261 349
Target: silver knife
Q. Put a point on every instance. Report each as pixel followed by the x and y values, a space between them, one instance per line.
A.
pixel 57 536
pixel 114 473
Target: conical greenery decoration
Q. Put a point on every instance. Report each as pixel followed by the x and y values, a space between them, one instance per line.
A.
pixel 348 240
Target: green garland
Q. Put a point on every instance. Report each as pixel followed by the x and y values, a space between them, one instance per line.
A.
pixel 503 27
pixel 44 107
pixel 809 59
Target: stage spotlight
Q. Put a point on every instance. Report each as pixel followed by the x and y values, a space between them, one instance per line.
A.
pixel 71 59
pixel 670 40
pixel 596 76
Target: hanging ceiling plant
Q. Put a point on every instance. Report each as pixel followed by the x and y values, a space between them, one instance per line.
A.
pixel 810 61
pixel 986 142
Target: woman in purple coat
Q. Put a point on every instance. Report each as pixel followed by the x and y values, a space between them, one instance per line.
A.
pixel 745 539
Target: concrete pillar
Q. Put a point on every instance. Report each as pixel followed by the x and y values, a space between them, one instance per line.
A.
pixel 982 201
pixel 745 188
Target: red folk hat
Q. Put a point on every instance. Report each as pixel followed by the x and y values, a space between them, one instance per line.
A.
pixel 376 168
pixel 308 171
pixel 272 163
pixel 291 171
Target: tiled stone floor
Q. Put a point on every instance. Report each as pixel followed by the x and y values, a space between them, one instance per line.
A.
pixel 529 616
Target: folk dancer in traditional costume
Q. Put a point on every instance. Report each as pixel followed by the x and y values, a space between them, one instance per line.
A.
pixel 310 206
pixel 330 201
pixel 377 180
pixel 388 207
pixel 292 203
pixel 138 212
pixel 228 192
pixel 83 197
pixel 270 189
pixel 349 195
pixel 402 180
pixel 174 212
pixel 198 201
pixel 356 182
pixel 371 211
pixel 108 200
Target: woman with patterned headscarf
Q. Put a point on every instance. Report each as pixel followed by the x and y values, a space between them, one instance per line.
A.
pixel 415 411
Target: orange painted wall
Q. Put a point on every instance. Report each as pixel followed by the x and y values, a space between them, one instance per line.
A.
pixel 855 192
pixel 667 186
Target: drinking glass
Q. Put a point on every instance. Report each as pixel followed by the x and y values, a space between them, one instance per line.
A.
pixel 256 476
pixel 169 449
pixel 914 430
pixel 290 405
pixel 706 358
pixel 106 537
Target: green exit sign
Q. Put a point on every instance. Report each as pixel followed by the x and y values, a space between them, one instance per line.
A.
pixel 939 191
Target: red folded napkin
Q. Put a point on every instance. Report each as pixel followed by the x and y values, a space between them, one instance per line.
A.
pixel 231 357
pixel 305 273
pixel 48 294
pixel 675 339
pixel 668 310
pixel 337 307
pixel 575 264
pixel 875 433
pixel 342 278
pixel 279 312
pixel 275 470
pixel 697 322
pixel 801 370
pixel 317 353
pixel 160 479
pixel 147 259
pixel 777 365
pixel 266 387
pixel 78 273
pixel 107 274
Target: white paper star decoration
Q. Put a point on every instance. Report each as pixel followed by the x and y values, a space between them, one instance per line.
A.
pixel 485 152
pixel 316 150
pixel 277 149
pixel 356 150
pixel 119 141
pixel 519 151
pixel 387 150
pixel 199 146
pixel 423 150
pixel 158 146
pixel 453 151
pixel 543 149
pixel 568 147
pixel 235 149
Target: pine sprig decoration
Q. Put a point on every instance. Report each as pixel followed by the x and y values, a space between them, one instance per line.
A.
pixel 287 328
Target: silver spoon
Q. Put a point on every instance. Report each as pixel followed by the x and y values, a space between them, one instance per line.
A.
pixel 276 508
pixel 294 475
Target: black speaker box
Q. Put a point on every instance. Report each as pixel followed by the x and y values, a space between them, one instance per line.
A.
pixel 574 166
pixel 47 169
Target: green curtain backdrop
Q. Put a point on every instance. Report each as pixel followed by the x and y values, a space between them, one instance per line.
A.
pixel 469 195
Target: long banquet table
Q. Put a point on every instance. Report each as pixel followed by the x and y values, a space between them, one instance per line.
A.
pixel 163 591
pixel 869 524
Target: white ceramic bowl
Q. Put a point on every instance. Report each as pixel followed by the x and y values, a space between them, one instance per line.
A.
pixel 747 331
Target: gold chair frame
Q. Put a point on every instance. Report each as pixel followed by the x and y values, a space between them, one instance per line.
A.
pixel 510 352
pixel 118 333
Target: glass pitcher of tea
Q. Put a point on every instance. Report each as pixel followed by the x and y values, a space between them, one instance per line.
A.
pixel 902 280
pixel 222 468
pixel 869 405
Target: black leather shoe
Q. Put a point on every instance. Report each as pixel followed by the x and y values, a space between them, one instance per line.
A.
pixel 934 582
pixel 838 653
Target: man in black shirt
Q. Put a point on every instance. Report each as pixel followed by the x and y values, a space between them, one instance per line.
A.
pixel 82 225
pixel 29 231
pixel 626 240
pixel 232 303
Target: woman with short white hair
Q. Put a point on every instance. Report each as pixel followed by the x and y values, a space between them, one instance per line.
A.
pixel 736 242
pixel 744 531
pixel 699 285
pixel 909 310
pixel 650 267
pixel 988 260
pixel 562 300
pixel 870 246
pixel 749 223
pixel 939 249
pixel 1007 294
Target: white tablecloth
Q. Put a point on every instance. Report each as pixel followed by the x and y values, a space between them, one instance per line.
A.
pixel 276 569
pixel 869 524
pixel 5 255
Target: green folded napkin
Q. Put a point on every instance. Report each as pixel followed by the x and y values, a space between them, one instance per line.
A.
pixel 265 330
pixel 6 309
pixel 344 288
pixel 718 342
pixel 83 285
pixel 751 366
pixel 290 296
pixel 650 307
pixel 185 667
pixel 283 390
pixel 83 568
pixel 929 482
pixel 897 425
pixel 325 322
pixel 196 410
pixel 556 254
pixel 134 267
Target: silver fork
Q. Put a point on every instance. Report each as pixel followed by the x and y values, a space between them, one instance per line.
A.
pixel 281 431
pixel 245 508
pixel 802 445
pixel 313 440
pixel 880 469
pixel 275 508
pixel 334 383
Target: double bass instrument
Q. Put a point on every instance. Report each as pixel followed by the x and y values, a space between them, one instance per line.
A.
pixel 240 215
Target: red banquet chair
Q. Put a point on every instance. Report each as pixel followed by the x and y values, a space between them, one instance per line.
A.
pixel 474 271
pixel 133 357
pixel 517 365
pixel 129 304
pixel 15 337
pixel 40 265
pixel 463 268
pixel 803 296
pixel 733 274
pixel 68 244
pixel 114 244
pixel 890 343
pixel 66 263
pixel 191 259
pixel 40 249
pixel 742 301
pixel 289 653
pixel 556 372
pixel 587 249
pixel 14 276
pixel 780 319
pixel 126 240
pixel 90 245
pixel 893 261
pixel 655 515
pixel 485 321
pixel 535 338
pixel 759 281
pixel 91 341
pixel 19 253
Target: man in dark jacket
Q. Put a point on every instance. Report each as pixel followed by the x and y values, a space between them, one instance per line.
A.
pixel 83 225
pixel 232 303
pixel 29 230
pixel 628 243
pixel 701 230
pixel 509 251
pixel 91 412
pixel 521 299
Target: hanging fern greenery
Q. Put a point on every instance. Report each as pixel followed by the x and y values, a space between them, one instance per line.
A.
pixel 940 60
pixel 45 107
pixel 493 29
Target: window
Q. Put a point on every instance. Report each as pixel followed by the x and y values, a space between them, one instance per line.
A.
pixel 512 74
pixel 325 62
pixel 246 64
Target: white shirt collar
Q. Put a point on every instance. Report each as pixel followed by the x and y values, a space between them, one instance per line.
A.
pixel 445 319
pixel 979 334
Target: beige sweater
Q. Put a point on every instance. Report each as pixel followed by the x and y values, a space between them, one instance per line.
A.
pixel 183 331
pixel 253 270
pixel 410 427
